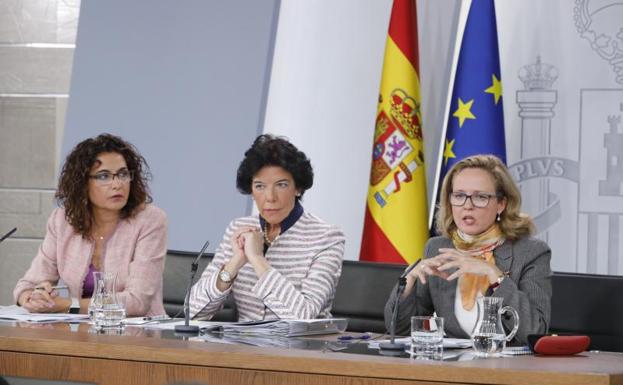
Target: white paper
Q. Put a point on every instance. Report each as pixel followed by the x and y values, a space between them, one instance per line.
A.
pixel 18 313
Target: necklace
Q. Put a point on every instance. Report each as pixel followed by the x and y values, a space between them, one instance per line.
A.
pixel 267 240
pixel 98 237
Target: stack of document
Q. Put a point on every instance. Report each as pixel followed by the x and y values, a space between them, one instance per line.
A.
pixel 272 341
pixel 17 313
pixel 288 328
pixel 448 343
pixel 170 324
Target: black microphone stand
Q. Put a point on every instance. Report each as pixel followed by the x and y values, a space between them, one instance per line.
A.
pixel 187 328
pixel 392 345
pixel 5 236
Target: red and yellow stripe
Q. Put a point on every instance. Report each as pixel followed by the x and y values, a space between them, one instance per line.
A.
pixel 397 231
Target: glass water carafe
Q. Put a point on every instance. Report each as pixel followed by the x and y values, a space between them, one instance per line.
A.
pixel 105 308
pixel 96 297
pixel 488 336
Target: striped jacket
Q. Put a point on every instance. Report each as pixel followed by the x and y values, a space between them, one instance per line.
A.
pixel 306 263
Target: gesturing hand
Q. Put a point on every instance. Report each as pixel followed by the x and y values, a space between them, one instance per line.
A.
pixel 425 268
pixel 449 259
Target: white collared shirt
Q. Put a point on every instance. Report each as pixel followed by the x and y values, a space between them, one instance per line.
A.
pixel 467 318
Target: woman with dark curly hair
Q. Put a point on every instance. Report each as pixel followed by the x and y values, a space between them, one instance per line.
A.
pixel 282 263
pixel 105 222
pixel 485 250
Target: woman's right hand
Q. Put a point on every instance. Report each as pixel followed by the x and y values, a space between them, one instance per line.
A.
pixel 427 267
pixel 39 300
pixel 424 269
pixel 239 258
pixel 237 245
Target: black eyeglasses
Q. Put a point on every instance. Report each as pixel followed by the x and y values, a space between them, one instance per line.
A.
pixel 105 178
pixel 478 199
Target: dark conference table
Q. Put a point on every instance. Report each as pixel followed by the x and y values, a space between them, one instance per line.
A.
pixel 142 356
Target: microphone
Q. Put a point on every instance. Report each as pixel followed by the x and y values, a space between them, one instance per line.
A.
pixel 5 236
pixel 186 328
pixel 392 346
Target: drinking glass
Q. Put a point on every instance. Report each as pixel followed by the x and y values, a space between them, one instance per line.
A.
pixel 427 337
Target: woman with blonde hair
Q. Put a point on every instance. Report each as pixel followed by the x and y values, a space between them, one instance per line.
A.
pixel 485 248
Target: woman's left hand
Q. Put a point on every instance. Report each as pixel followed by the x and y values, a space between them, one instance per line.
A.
pixel 254 251
pixel 465 263
pixel 253 244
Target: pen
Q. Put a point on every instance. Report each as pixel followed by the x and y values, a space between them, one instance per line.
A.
pixel 59 287
pixel 350 338
pixel 156 318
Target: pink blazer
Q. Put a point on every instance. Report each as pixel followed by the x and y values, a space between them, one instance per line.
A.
pixel 136 251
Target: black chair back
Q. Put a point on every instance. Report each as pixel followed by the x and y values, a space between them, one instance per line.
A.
pixel 589 304
pixel 176 275
pixel 362 292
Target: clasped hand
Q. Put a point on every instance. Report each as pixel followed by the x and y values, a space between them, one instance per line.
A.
pixel 39 300
pixel 450 264
pixel 248 246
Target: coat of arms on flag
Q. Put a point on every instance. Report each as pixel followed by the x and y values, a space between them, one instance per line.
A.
pixel 393 151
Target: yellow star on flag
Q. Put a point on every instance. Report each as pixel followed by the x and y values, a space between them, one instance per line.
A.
pixel 447 152
pixel 495 89
pixel 463 112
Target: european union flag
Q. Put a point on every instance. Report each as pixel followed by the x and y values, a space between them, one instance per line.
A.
pixel 476 119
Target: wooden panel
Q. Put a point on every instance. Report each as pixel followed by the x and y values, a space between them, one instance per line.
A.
pixel 109 372
pixel 149 359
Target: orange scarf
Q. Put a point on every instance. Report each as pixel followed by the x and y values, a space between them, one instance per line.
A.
pixel 479 246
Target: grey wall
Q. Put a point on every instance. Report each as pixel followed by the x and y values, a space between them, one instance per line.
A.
pixel 36 50
pixel 185 83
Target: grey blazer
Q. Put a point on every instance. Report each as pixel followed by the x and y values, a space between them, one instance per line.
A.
pixel 529 290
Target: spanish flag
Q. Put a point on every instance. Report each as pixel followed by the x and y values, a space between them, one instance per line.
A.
pixel 395 228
